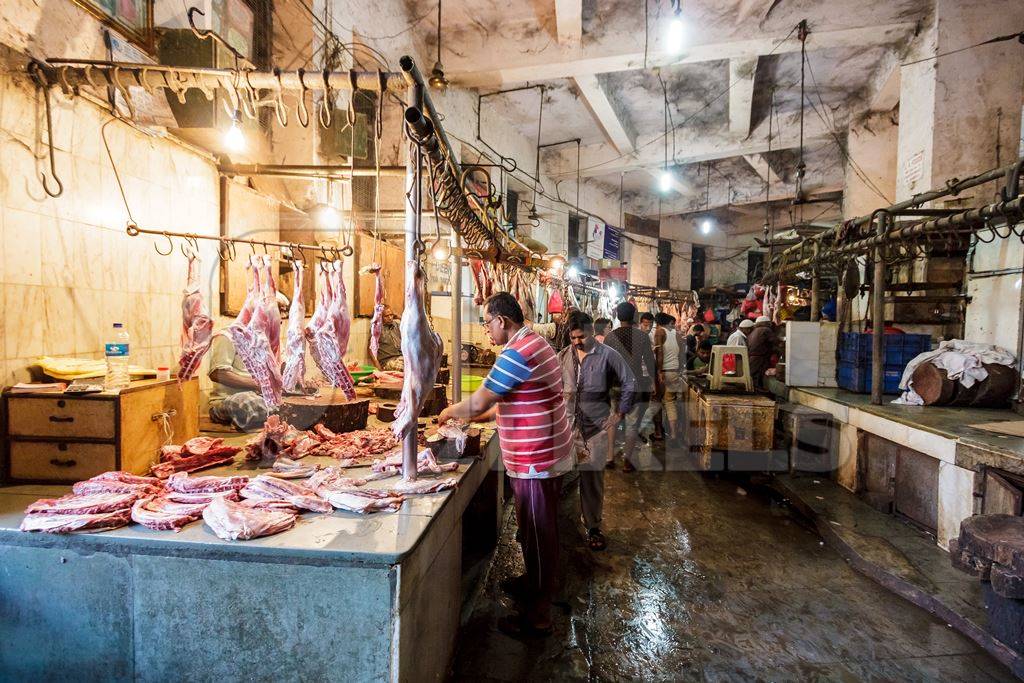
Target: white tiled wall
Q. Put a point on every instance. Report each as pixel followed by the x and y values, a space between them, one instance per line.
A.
pixel 69 269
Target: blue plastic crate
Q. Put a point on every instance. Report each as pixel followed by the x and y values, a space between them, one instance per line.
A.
pixel 857 378
pixel 900 349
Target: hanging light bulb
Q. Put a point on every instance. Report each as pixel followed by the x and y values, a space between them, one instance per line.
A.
pixel 706 226
pixel 234 140
pixel 556 263
pixel 665 181
pixel 574 272
pixel 675 36
pixel 437 78
pixel 441 250
pixel 327 217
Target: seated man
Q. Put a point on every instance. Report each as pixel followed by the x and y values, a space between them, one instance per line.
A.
pixel 389 355
pixel 698 364
pixel 235 399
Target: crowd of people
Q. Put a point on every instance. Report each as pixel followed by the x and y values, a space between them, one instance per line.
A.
pixel 571 399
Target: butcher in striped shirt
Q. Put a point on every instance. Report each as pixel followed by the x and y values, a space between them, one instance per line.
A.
pixel 524 392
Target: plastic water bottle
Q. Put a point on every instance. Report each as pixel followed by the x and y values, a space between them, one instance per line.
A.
pixel 116 351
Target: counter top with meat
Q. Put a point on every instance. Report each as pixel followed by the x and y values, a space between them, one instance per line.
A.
pixel 338 538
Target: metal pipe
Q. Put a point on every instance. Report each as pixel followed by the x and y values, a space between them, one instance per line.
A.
pixel 70 73
pixel 816 287
pixel 457 324
pixel 413 168
pixel 307 170
pixel 877 315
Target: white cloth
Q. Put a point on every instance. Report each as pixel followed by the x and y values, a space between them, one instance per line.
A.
pixel 737 338
pixel 962 360
pixel 670 353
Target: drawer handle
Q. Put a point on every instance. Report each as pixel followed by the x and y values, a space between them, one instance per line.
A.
pixel 56 418
pixel 57 462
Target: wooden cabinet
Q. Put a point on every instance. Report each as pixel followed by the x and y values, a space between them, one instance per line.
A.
pixel 727 429
pixel 54 438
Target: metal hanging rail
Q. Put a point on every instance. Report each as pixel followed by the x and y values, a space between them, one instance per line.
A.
pixel 227 248
pixel 310 171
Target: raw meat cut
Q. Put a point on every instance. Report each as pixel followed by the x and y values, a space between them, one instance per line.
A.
pixel 456 431
pixel 235 521
pixel 204 498
pixel 74 504
pixel 200 445
pixel 279 438
pixel 363 501
pixel 286 468
pixel 263 504
pixel 421 349
pixel 65 524
pixel 196 325
pixel 257 339
pixel 425 462
pixel 377 321
pixel 197 454
pixel 332 479
pixel 328 330
pixel 180 482
pixel 265 487
pixel 295 345
pixel 422 486
pixel 162 514
pixel 118 482
pixel 479 283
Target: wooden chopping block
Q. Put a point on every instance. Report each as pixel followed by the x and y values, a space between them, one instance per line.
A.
pixel 932 385
pixel 331 409
pixel 386 411
pixel 996 389
pixel 445 448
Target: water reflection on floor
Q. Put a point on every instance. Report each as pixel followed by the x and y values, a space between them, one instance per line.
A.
pixel 704 579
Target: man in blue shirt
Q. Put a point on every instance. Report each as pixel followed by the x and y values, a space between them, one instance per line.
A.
pixel 589 371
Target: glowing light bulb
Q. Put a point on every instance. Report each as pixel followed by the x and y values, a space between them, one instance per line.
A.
pixel 440 249
pixel 328 217
pixel 234 140
pixel 665 181
pixel 706 225
pixel 675 37
pixel 557 263
pixel 573 271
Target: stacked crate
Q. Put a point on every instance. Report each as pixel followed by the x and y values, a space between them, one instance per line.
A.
pixel 855 359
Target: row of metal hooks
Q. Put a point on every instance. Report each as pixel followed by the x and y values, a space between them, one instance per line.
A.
pixel 227 247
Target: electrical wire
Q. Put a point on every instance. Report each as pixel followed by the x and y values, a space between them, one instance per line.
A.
pixel 999 39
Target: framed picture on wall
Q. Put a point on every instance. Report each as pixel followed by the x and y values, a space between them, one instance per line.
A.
pixel 133 18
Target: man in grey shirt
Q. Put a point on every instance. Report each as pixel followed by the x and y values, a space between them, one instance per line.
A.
pixel 589 371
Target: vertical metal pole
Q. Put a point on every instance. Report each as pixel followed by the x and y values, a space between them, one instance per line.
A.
pixel 457 323
pixel 413 216
pixel 816 286
pixel 877 316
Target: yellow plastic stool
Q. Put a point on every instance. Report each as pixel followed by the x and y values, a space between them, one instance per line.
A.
pixel 718 378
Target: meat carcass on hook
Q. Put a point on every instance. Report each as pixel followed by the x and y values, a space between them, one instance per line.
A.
pixel 295 343
pixel 377 321
pixel 421 349
pixel 256 339
pixel 196 325
pixel 323 331
pixel 340 317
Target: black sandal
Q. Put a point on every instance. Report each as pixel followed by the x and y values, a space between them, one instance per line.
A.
pixel 520 628
pixel 596 540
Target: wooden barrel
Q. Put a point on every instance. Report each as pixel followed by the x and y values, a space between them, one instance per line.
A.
pixel 997 389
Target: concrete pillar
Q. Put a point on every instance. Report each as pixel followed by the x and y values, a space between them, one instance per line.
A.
pixel 871 145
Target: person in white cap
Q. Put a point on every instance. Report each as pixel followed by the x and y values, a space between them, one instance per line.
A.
pixel 760 347
pixel 739 337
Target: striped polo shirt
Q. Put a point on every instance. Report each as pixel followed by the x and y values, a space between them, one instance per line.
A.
pixel 536 441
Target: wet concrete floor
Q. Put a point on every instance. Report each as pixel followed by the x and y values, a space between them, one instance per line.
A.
pixel 710 579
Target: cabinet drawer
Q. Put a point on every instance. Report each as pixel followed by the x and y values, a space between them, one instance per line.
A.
pixel 61 417
pixel 56 461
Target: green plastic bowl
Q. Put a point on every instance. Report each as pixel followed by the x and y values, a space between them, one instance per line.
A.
pixel 362 373
pixel 471 383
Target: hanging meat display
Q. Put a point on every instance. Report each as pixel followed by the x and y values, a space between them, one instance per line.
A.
pixel 256 332
pixel 328 330
pixel 422 349
pixel 295 342
pixel 196 325
pixel 377 321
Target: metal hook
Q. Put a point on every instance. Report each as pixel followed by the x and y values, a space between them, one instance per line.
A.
pixel 49 139
pixel 382 80
pixel 351 113
pixel 170 246
pixel 301 112
pixel 124 92
pixel 325 103
pixel 279 108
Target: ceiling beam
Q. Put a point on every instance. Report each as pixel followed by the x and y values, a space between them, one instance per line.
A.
pixel 759 163
pixel 741 94
pixel 601 107
pixel 569 22
pixel 546 65
pixel 752 204
pixel 884 87
pixel 679 185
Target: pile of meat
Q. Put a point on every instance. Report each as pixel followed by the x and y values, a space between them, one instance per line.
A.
pixel 278 439
pixel 195 454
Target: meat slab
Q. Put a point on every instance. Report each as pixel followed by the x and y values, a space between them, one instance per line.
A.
pixel 295 343
pixel 181 482
pixel 329 328
pixel 66 524
pixel 196 325
pixel 196 454
pixel 74 504
pixel 377 321
pixel 163 514
pixel 265 487
pixel 256 333
pixel 235 521
pixel 422 350
pixel 365 501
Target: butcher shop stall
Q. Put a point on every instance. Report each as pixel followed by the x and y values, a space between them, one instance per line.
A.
pixel 221 451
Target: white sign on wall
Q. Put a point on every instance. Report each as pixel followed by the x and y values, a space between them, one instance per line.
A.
pixel 595 238
pixel 913 169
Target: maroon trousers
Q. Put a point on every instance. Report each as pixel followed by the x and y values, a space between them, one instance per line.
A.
pixel 536 503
